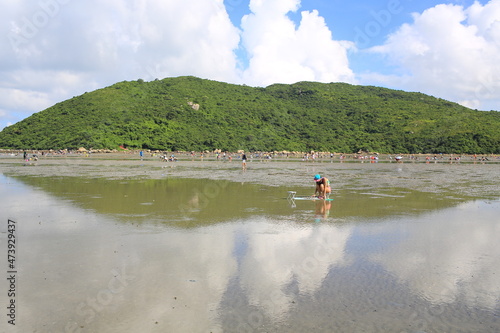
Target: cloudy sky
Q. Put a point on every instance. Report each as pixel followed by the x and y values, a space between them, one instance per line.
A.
pixel 52 50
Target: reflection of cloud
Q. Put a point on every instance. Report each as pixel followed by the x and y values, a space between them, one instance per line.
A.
pixel 281 255
pixel 454 254
pixel 177 279
pixel 72 263
pixel 183 278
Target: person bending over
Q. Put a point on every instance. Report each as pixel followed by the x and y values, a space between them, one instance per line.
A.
pixel 323 188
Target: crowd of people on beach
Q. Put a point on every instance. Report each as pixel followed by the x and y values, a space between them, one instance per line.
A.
pixel 222 156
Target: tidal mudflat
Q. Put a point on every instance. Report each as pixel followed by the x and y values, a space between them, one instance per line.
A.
pixel 116 245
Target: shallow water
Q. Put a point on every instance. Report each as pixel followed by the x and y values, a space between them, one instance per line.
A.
pixel 201 255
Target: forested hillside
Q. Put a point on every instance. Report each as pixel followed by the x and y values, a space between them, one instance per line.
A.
pixel 188 113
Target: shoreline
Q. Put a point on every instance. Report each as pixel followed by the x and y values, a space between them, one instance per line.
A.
pixel 280 156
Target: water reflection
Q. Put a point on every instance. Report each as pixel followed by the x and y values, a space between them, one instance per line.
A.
pixel 322 210
pixel 189 256
pixel 455 254
pixel 190 203
pixel 278 256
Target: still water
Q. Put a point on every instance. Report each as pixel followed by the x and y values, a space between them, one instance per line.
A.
pixel 184 255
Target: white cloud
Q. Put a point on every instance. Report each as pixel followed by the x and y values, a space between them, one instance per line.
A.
pixel 25 91
pixel 451 52
pixel 22 99
pixel 280 52
pixel 187 38
pixel 56 49
pixel 121 38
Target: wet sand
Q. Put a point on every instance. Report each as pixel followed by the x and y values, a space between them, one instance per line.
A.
pixel 464 179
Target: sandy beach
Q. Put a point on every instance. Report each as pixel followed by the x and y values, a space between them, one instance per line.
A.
pixel 464 178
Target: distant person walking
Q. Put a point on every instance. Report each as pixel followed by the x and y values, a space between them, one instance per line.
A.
pixel 244 161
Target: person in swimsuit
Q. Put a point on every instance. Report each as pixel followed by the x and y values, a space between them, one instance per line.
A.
pixel 323 188
pixel 244 161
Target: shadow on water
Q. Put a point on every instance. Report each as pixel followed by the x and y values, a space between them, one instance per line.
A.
pixel 190 203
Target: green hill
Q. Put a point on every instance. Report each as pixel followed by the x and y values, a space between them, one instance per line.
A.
pixel 188 113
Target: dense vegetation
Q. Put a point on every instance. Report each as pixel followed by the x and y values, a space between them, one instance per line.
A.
pixel 188 113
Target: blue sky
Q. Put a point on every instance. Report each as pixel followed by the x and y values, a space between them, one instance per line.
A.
pixel 367 22
pixel 52 50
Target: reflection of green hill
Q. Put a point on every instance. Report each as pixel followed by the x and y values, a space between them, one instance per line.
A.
pixel 195 202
